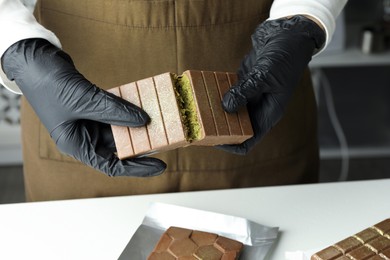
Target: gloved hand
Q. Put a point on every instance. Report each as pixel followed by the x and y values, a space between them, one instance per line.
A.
pixel 281 51
pixel 76 113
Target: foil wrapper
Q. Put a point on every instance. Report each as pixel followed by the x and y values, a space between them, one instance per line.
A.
pixel 257 238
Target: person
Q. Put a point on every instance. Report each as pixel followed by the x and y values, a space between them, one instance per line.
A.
pixel 64 57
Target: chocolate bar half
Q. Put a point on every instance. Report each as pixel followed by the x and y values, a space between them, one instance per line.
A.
pixel 369 244
pixel 184 110
pixel 181 243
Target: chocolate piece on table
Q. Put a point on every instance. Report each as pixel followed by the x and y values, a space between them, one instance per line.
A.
pixel 348 244
pixel 164 243
pixel 366 235
pixel 343 258
pixel 385 254
pixel 330 252
pixel 184 110
pixel 227 245
pixel 383 227
pixel 203 238
pixel 181 243
pixel 372 243
pixel 375 257
pixel 161 256
pixel 182 247
pixel 379 244
pixel 361 253
pixel 207 252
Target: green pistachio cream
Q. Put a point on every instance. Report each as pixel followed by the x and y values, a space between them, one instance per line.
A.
pixel 188 111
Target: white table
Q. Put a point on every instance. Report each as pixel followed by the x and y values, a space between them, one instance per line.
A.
pixel 309 217
pixel 350 58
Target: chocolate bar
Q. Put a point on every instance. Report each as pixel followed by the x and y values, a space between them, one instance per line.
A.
pixel 184 110
pixel 372 243
pixel 181 243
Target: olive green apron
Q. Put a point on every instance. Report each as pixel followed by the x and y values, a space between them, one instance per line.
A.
pixel 116 42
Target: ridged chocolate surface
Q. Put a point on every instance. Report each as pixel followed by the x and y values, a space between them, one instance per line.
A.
pixel 219 126
pixel 156 95
pixel 165 131
pixel 372 243
pixel 181 243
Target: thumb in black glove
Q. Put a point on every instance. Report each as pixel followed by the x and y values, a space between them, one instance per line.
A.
pixel 76 113
pixel 281 51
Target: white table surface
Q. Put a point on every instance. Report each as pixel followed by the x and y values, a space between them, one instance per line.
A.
pixel 309 217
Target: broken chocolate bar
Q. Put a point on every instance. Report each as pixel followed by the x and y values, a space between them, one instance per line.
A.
pixel 184 110
pixel 181 243
pixel 371 243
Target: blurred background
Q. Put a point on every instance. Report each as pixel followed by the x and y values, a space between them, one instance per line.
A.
pixel 352 85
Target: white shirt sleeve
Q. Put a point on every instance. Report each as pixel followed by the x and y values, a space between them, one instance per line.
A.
pixel 17 23
pixel 325 11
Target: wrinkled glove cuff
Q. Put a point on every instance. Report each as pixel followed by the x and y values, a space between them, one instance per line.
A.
pixel 313 30
pixel 297 25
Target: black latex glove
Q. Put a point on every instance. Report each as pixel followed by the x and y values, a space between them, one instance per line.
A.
pixel 268 75
pixel 76 113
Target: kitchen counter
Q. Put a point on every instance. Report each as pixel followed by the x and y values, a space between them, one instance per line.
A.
pixel 308 216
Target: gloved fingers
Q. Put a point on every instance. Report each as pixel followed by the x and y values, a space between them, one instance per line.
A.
pixel 247 64
pixel 112 166
pixel 239 149
pixel 102 137
pixel 264 116
pixel 108 163
pixel 279 55
pixel 103 141
pixel 272 72
pixel 138 167
pixel 249 88
pixel 82 142
pixel 58 92
pixel 99 105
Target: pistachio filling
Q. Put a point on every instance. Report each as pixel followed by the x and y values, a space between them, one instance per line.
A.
pixel 188 111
